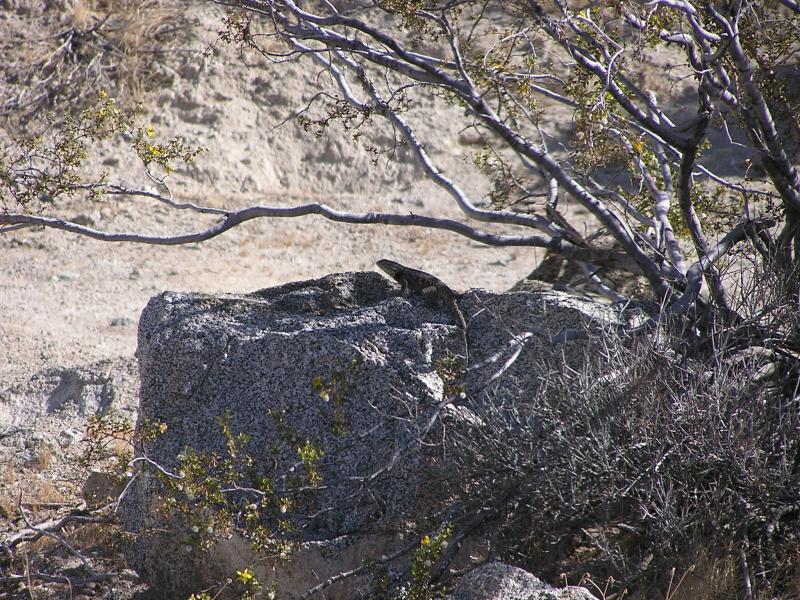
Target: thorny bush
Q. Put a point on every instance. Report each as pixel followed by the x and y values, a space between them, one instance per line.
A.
pixel 655 457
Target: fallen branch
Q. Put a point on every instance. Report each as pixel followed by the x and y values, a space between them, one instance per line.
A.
pixel 34 532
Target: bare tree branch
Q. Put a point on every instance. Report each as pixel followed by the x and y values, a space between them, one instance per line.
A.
pixel 694 276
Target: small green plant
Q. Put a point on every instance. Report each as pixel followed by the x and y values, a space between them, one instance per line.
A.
pixel 333 391
pixel 418 583
pixel 108 445
pixel 208 497
pixel 249 584
pixel 451 370
pixel 244 585
pixel 310 455
pixel 424 560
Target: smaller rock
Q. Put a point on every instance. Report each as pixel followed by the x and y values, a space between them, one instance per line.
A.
pixel 121 321
pixel 499 581
pixel 11 431
pixel 68 437
pixel 34 440
pixel 101 487
pixel 87 219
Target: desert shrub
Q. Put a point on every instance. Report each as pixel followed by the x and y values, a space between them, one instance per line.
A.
pixel 655 460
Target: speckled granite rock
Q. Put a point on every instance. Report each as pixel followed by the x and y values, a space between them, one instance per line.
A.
pixel 498 581
pixel 378 357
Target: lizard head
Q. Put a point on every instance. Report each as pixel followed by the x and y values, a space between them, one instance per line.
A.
pixel 389 266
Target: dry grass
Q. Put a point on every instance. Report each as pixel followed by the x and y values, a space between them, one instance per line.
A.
pixel 8 478
pixel 708 578
pixel 45 493
pixel 62 55
pixel 26 487
pixel 42 492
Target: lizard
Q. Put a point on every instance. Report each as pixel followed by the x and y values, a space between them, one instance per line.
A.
pixel 430 287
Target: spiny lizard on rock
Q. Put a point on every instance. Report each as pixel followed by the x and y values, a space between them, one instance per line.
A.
pixel 431 288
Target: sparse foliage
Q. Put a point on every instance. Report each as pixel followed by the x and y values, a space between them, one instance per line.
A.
pixel 31 555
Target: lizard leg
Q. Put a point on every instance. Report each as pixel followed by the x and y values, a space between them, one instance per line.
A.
pixel 431 296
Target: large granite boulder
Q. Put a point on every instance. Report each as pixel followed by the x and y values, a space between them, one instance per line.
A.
pixel 343 364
